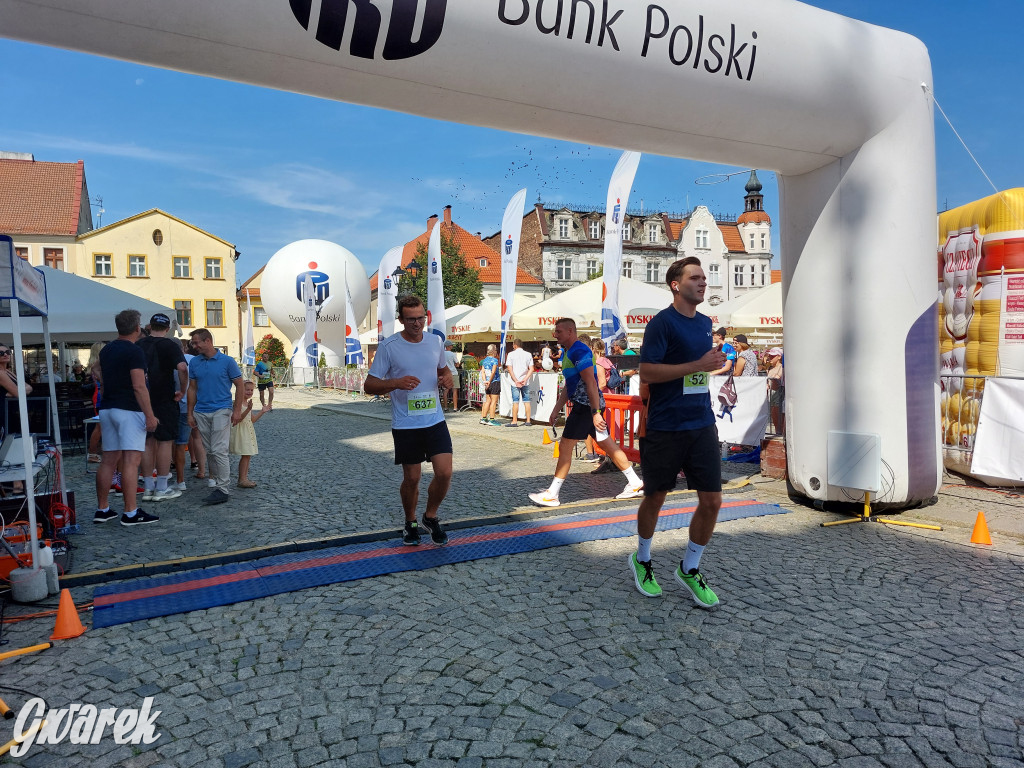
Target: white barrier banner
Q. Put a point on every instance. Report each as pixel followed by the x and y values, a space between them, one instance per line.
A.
pixel 744 423
pixel 543 393
pixel 999 444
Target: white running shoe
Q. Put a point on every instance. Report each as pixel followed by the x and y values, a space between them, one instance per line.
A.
pixel 181 486
pixel 544 499
pixel 211 483
pixel 631 492
pixel 169 493
pixel 147 495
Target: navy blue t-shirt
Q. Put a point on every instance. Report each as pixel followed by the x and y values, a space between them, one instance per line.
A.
pixel 681 404
pixel 117 359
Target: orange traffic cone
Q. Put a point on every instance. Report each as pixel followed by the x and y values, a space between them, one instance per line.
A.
pixel 68 623
pixel 556 451
pixel 547 438
pixel 980 534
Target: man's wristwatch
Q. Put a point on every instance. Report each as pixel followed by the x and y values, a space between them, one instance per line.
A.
pixel 595 411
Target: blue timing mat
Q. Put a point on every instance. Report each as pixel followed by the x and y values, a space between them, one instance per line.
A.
pixel 224 585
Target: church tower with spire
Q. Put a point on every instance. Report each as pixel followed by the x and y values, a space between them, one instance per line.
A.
pixel 754 269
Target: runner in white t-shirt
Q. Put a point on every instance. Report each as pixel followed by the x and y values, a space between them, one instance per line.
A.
pixel 519 364
pixel 409 366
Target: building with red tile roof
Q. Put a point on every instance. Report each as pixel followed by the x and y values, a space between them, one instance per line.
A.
pixel 43 206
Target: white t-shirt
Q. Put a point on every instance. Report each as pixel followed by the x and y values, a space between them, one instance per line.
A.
pixel 519 361
pixel 452 363
pixel 396 358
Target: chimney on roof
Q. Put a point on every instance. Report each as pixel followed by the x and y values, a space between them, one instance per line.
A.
pixel 17 156
pixel 431 221
pixel 447 214
pixel 479 235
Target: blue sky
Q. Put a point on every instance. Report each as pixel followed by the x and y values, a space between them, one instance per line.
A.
pixel 262 168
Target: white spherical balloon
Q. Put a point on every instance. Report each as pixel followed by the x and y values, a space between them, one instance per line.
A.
pixel 330 266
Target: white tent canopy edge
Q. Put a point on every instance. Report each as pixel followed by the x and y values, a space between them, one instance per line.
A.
pixel 843 114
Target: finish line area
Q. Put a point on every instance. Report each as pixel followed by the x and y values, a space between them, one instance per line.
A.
pixel 228 584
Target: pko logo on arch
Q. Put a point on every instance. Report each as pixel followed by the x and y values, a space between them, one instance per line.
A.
pixel 407 19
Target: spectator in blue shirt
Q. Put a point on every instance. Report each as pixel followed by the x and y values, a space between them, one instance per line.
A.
pixel 718 339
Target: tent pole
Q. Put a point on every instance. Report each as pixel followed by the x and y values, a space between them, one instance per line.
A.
pixel 54 415
pixel 26 442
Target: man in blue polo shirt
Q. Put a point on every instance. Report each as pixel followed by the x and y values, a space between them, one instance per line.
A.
pixel 211 409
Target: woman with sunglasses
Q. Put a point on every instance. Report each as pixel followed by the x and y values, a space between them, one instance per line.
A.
pixel 8 381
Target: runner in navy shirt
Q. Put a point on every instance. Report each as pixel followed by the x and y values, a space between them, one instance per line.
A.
pixel 680 433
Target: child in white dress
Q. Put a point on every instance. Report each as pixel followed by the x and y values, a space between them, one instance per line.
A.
pixel 243 437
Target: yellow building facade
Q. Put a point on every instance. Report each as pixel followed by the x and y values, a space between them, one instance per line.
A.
pixel 162 258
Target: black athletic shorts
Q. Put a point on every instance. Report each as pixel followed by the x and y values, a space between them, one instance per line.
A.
pixel 494 388
pixel 414 446
pixel 268 385
pixel 167 416
pixel 579 424
pixel 695 452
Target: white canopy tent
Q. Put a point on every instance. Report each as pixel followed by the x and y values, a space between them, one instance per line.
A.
pixel 82 310
pixel 759 310
pixel 638 302
pixel 484 322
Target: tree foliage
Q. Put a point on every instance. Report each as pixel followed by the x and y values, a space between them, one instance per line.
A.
pixel 461 281
pixel 275 348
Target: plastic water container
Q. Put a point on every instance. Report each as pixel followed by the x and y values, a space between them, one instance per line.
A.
pixel 45 555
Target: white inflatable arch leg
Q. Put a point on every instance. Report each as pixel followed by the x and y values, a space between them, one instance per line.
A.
pixel 834 105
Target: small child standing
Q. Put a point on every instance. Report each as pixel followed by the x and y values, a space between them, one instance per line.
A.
pixel 243 437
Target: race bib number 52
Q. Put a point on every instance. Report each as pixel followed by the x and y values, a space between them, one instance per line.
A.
pixel 422 403
pixel 695 383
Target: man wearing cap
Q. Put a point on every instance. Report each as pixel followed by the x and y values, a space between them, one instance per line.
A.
pixel 165 366
pixel 212 374
pixel 718 339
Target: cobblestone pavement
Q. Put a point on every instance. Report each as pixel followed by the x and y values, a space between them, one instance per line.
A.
pixel 857 646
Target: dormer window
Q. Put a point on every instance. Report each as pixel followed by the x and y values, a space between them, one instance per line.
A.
pixel 652 233
pixel 625 231
pixel 563 229
pixel 595 230
pixel 483 262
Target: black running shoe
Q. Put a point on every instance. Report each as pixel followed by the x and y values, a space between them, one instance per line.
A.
pixel 139 518
pixel 411 535
pixel 104 515
pixel 437 535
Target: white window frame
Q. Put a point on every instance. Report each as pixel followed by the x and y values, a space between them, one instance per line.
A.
pixel 211 261
pixel 592 268
pixel 260 318
pixel 563 269
pixel 652 232
pixel 136 268
pixel 188 266
pixel 702 238
pixel 764 241
pixel 627 269
pixel 737 275
pixel 653 272
pixel 714 276
pixel 595 230
pixel 563 229
pixel 103 259
pixel 626 231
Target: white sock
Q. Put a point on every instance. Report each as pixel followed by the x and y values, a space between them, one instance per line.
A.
pixel 691 560
pixel 132 513
pixel 161 483
pixel 643 550
pixel 556 486
pixel 631 476
pixel 149 484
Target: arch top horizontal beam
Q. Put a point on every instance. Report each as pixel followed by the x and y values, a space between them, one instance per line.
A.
pixel 773 83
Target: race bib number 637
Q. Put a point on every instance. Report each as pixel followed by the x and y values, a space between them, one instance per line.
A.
pixel 423 403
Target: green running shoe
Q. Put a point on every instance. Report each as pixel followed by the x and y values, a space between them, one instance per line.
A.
pixel 643 577
pixel 702 594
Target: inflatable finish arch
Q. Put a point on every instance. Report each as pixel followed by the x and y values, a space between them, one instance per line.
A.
pixel 837 107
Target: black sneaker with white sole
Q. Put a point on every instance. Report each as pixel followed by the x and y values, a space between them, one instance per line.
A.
pixel 104 516
pixel 411 535
pixel 437 535
pixel 139 518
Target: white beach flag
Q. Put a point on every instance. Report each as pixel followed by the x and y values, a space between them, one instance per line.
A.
pixel 435 286
pixel 511 230
pixel 613 325
pixel 387 292
pixel 249 351
pixel 306 353
pixel 353 348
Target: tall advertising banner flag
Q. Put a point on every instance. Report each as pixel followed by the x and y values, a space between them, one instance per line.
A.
pixel 511 230
pixel 387 293
pixel 435 287
pixel 353 349
pixel 309 351
pixel 249 347
pixel 613 325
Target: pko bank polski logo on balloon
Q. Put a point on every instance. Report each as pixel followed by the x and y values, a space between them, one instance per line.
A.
pixel 83 724
pixel 366 22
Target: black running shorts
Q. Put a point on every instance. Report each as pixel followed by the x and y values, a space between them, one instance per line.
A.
pixel 695 452
pixel 414 446
pixel 167 421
